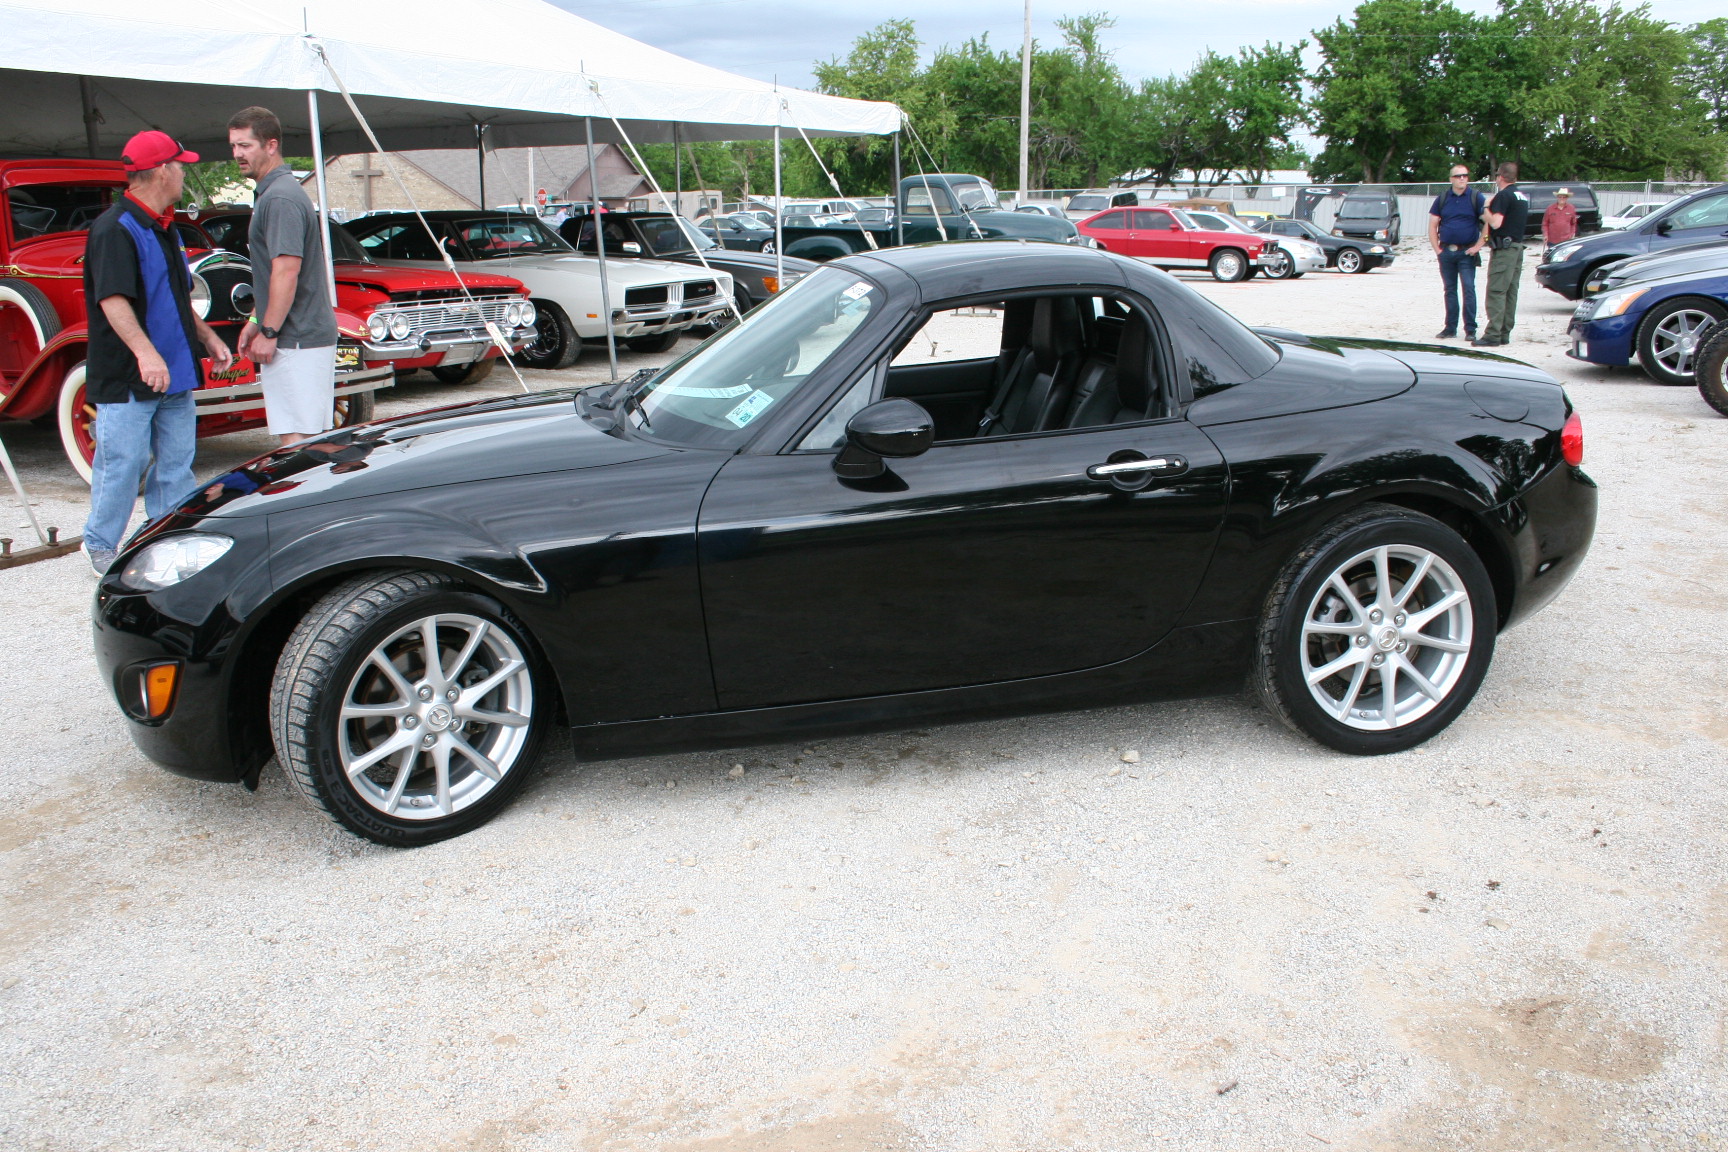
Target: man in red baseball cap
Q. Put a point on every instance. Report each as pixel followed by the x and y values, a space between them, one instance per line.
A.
pixel 144 346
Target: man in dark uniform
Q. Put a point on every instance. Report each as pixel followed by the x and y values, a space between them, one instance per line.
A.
pixel 144 347
pixel 1455 232
pixel 1507 214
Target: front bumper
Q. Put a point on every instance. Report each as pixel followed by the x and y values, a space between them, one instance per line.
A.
pixel 647 321
pixel 434 349
pixel 1566 277
pixel 1608 340
pixel 250 397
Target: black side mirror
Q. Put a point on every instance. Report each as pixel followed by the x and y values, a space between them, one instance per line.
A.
pixel 1663 227
pixel 895 428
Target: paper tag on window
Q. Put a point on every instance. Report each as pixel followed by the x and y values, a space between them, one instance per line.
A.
pixel 752 407
pixel 857 292
pixel 705 393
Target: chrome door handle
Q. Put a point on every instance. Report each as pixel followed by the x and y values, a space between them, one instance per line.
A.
pixel 1157 465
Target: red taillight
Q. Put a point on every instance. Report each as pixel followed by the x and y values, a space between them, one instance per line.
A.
pixel 1572 440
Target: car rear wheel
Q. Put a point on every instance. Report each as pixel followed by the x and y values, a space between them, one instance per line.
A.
pixel 658 342
pixel 1349 260
pixel 556 345
pixel 407 707
pixel 1377 633
pixel 767 247
pixel 1712 370
pixel 470 373
pixel 354 408
pixel 1671 335
pixel 1229 265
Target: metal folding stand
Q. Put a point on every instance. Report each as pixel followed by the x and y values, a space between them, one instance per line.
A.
pixel 51 545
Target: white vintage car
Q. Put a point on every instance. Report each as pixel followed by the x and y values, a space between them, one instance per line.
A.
pixel 653 301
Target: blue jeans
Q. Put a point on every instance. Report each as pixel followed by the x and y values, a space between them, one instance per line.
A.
pixel 1456 266
pixel 127 437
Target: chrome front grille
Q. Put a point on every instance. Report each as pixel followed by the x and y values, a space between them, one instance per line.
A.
pixel 699 290
pixel 441 316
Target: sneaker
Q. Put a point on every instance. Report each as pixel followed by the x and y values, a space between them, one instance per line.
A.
pixel 1487 342
pixel 1446 334
pixel 100 561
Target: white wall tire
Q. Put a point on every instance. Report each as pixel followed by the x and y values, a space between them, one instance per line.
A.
pixel 77 423
pixel 26 316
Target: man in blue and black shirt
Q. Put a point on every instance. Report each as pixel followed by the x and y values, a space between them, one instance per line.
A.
pixel 1455 232
pixel 145 343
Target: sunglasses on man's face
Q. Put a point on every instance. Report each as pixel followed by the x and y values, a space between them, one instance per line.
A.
pixel 1460 175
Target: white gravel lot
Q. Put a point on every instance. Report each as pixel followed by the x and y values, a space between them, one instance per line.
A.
pixel 984 937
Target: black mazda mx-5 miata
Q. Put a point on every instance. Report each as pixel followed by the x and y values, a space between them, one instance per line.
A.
pixel 815 521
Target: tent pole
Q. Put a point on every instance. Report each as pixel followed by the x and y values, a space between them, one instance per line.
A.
pixel 678 170
pixel 779 209
pixel 323 190
pixel 91 116
pixel 480 156
pixel 600 247
pixel 899 224
pixel 1025 98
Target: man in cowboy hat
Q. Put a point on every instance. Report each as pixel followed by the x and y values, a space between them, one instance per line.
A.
pixel 1560 221
pixel 144 347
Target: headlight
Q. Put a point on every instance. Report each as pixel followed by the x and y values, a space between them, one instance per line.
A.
pixel 1380 235
pixel 518 314
pixel 399 326
pixel 1616 303
pixel 1378 249
pixel 200 296
pixel 169 561
pixel 378 325
pixel 1562 257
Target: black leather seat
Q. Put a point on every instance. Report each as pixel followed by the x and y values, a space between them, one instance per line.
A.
pixel 1035 387
pixel 1117 390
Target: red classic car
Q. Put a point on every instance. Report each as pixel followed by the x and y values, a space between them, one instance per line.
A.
pixel 1170 239
pixel 414 317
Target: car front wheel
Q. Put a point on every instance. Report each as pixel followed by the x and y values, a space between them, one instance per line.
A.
pixel 1281 268
pixel 1377 633
pixel 407 707
pixel 1671 336
pixel 1349 260
pixel 1229 265
pixel 1713 370
pixel 556 345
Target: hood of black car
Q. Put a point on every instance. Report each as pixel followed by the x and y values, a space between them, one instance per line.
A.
pixel 756 261
pixel 486 440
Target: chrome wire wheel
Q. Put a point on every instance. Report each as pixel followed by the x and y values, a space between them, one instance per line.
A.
pixel 435 717
pixel 1387 637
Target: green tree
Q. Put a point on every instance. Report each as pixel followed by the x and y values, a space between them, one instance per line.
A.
pixel 1705 74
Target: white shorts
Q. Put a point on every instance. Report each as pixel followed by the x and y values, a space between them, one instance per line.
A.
pixel 300 390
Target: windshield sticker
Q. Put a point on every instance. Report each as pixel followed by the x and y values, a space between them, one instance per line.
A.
pixel 857 292
pixel 752 407
pixel 704 393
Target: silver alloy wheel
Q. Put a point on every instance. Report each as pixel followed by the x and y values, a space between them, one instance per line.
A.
pixel 1387 637
pixel 422 738
pixel 1676 339
pixel 1281 267
pixel 1228 267
pixel 1349 260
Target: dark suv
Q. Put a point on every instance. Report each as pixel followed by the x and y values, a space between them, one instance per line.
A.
pixel 1542 195
pixel 1694 219
pixel 1368 214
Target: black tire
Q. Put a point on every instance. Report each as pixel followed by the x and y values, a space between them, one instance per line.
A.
pixel 471 373
pixel 1668 360
pixel 557 345
pixel 1283 267
pixel 1228 265
pixel 659 342
pixel 1305 595
pixel 767 247
pixel 330 653
pixel 1350 260
pixel 1713 370
pixel 355 408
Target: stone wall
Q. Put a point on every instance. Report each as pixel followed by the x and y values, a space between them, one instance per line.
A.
pixel 347 183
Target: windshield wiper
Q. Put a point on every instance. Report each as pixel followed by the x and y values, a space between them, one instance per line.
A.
pixel 641 376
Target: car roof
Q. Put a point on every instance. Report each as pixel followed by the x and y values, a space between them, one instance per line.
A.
pixel 966 267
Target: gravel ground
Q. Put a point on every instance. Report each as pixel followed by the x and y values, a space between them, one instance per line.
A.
pixel 974 938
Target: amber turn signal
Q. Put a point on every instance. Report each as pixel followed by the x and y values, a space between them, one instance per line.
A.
pixel 772 283
pixel 159 680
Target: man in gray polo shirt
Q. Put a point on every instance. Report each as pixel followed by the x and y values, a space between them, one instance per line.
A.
pixel 292 335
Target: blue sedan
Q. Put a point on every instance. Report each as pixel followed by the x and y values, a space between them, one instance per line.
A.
pixel 1659 308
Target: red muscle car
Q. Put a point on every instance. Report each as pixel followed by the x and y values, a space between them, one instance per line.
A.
pixel 1170 239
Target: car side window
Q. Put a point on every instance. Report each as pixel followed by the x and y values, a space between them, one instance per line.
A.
pixel 1148 221
pixel 920 198
pixel 1111 220
pixel 1710 212
pixel 970 333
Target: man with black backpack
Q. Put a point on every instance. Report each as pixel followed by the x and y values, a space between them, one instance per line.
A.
pixel 1455 232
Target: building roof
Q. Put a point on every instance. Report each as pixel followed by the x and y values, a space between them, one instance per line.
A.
pixel 555 169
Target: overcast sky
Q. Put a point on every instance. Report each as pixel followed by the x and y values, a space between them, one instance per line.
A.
pixel 769 38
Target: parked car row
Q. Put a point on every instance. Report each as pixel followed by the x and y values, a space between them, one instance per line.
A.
pixel 1229 248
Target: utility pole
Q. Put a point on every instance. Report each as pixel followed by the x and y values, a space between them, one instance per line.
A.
pixel 1025 98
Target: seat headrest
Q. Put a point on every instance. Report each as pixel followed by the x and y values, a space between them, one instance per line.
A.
pixel 1133 367
pixel 1055 329
pixel 1017 323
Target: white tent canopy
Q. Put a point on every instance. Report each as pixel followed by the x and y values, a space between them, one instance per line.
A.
pixel 424 73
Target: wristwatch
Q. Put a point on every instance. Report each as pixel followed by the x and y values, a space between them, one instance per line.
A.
pixel 268 332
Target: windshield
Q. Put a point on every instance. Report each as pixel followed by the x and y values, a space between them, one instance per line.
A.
pixel 710 398
pixel 695 237
pixel 1363 210
pixel 1087 203
pixel 43 209
pixel 661 233
pixel 974 196
pixel 510 236
pixel 345 247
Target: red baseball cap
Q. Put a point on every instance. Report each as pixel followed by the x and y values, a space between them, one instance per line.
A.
pixel 153 149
